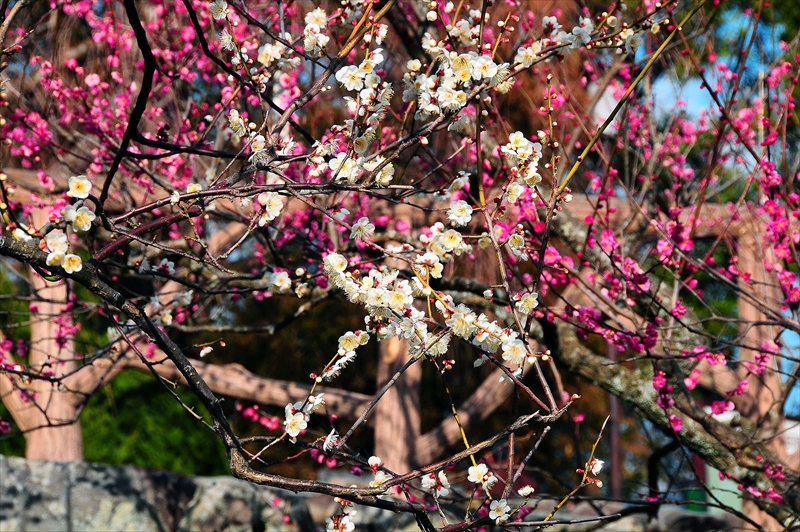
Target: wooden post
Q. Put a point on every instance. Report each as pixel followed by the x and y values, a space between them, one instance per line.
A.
pixel 397 414
pixel 764 389
pixel 46 415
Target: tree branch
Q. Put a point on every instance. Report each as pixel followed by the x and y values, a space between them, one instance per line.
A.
pixel 725 448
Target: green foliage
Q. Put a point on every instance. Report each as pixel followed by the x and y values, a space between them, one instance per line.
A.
pixel 13 310
pixel 714 299
pixel 134 420
pixel 11 444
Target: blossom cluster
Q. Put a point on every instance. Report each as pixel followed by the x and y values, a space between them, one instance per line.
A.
pixel 298 414
pixel 389 299
pixel 368 110
pixel 80 217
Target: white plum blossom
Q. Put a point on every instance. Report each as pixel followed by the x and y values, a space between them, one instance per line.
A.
pixel 314 403
pixel 280 283
pixel 340 523
pixel 57 244
pixel 295 423
pixel 531 176
pixel 362 229
pixel 314 40
pixel 55 258
pixel 302 290
pixel 57 241
pixel 226 40
pixel 514 351
pixel 380 35
pixel 521 149
pixel 317 16
pixel 270 52
pixel 450 239
pixel 380 479
pixel 516 241
pixel 344 359
pixel 377 298
pixel 384 175
pixel 219 9
pixel 632 42
pixel 527 303
pixel 584 30
pixel 483 68
pixel 79 187
pixel 205 351
pixel 349 341
pixel 477 473
pixel 436 483
pixel 525 491
pixel 80 218
pixel 430 344
pixel 460 213
pixel 272 203
pixel 526 56
pixel 331 441
pixel 450 99
pixel 462 322
pixel 400 298
pixel 351 77
pixel 517 140
pixel 461 65
pixel 165 266
pixel 237 124
pixel 183 298
pixel 595 466
pixel 465 32
pixel 502 81
pixel 498 511
pixel 343 168
pixel 429 264
pixel 72 263
pixel 551 24
pixel 166 318
pixel 340 214
pixel 487 336
pixel 514 191
pixel 258 148
pixel 334 263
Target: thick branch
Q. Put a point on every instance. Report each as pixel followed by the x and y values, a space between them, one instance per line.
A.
pixel 722 446
pixel 233 380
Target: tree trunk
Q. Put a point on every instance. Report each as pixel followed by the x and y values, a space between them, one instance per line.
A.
pixel 765 391
pixel 397 414
pixel 46 416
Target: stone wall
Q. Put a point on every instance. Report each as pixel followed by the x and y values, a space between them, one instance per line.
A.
pixel 82 497
pixel 39 496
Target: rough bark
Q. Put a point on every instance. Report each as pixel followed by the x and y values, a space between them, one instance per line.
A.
pixel 47 415
pixel 727 449
pixel 397 414
pixel 233 380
